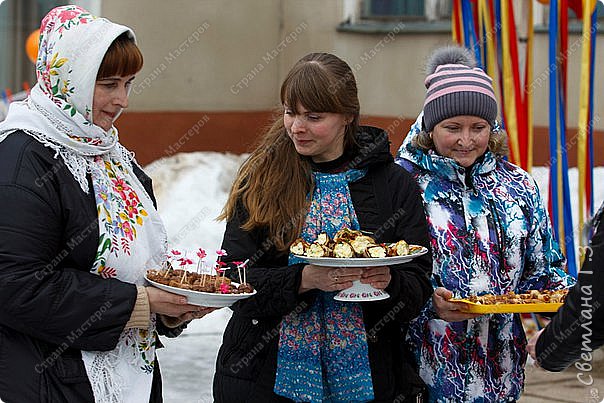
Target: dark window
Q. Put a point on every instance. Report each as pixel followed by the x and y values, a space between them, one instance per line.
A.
pixel 574 24
pixel 406 10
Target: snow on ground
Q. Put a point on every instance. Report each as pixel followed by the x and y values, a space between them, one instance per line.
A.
pixel 191 189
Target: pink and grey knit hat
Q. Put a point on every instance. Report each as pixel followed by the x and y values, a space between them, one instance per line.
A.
pixel 455 87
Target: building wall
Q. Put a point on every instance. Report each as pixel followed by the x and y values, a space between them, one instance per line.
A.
pixel 195 51
pixel 221 62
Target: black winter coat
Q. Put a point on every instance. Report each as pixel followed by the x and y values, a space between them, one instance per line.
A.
pixel 578 327
pixel 50 303
pixel 388 203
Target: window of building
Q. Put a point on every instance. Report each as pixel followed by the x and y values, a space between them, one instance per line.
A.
pixel 406 10
pixel 400 16
pixel 575 25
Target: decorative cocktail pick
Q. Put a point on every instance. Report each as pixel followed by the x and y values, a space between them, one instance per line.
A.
pixel 172 255
pixel 184 261
pixel 238 264
pixel 243 266
pixel 201 254
pixel 219 263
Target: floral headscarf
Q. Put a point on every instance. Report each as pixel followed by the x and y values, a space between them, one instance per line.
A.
pixel 58 111
pixel 132 238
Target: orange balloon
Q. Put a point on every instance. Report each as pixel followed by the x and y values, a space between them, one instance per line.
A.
pixel 31 45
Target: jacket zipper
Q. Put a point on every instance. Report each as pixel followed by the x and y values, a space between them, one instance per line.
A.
pixel 498 230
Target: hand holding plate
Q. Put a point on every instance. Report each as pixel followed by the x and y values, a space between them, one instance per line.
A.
pixel 378 276
pixel 328 278
pixel 449 311
pixel 169 304
pixel 531 347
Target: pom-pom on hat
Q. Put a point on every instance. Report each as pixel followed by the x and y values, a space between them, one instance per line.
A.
pixel 456 87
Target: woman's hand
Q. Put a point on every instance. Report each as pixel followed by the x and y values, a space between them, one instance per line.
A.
pixel 446 310
pixel 171 321
pixel 378 277
pixel 328 278
pixel 200 313
pixel 531 346
pixel 173 305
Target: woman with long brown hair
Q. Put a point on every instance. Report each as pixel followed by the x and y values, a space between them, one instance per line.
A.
pixel 316 170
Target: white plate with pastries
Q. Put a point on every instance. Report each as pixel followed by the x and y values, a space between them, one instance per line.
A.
pixel 209 299
pixel 360 292
pixel 364 261
pixel 354 248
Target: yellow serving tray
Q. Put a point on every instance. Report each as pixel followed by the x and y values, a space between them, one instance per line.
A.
pixel 472 307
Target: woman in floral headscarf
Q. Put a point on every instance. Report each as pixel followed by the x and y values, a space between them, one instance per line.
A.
pixel 78 229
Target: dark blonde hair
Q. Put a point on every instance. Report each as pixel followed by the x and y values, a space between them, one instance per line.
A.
pixel 498 144
pixel 274 183
pixel 123 58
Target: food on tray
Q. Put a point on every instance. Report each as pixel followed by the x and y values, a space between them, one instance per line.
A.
pixel 317 250
pixel 343 249
pixel 348 243
pixel 531 297
pixel 401 248
pixel 360 244
pixel 299 247
pixel 323 239
pixel 198 282
pixel 346 235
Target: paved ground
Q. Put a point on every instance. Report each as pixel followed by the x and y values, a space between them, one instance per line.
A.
pixel 188 366
pixel 542 386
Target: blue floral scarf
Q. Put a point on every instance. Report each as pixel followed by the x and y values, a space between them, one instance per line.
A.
pixel 323 354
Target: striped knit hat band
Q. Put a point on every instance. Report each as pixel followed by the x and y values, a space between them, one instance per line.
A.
pixel 456 90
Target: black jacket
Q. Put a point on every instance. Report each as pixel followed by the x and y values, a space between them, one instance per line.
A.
pixel 50 302
pixel 388 203
pixel 578 327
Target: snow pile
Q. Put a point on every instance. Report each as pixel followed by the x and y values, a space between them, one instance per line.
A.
pixel 191 190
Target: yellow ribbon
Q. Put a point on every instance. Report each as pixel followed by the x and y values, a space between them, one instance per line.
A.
pixel 508 85
pixel 583 112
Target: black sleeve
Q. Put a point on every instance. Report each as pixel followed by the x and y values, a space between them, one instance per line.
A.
pixel 277 284
pixel 170 332
pixel 41 296
pixel 410 286
pixel 145 181
pixel 578 327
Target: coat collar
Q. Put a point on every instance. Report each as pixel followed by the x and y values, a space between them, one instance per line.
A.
pixel 439 165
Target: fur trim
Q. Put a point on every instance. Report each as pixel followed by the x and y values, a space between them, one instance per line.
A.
pixel 451 54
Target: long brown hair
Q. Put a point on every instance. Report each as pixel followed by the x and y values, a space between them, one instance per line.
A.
pixel 274 183
pixel 123 58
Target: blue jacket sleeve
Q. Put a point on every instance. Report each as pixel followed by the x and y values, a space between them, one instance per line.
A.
pixel 544 262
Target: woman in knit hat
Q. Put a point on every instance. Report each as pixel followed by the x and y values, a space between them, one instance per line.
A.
pixel 490 233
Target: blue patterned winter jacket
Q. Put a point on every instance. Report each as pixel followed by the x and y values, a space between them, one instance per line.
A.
pixel 490 233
